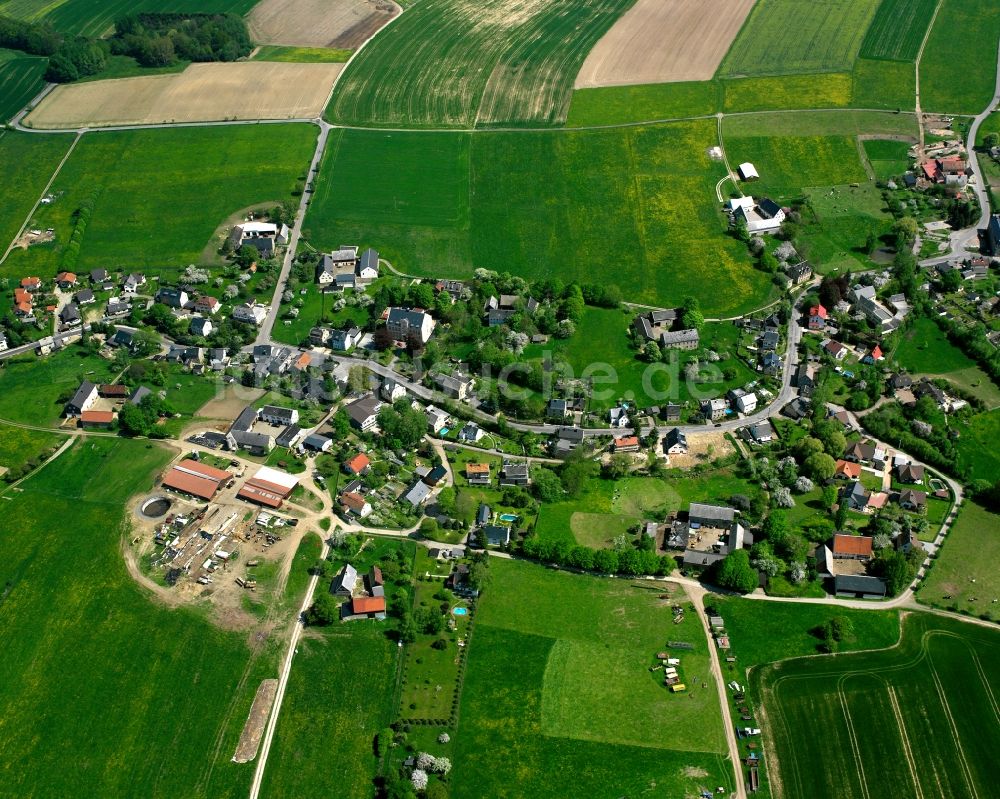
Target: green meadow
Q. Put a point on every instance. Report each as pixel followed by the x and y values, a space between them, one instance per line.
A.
pixel 301 55
pixel 977 447
pixel 636 202
pixel 20 447
pixel 958 73
pixel 95 668
pixel 159 195
pixel 32 389
pixel 558 682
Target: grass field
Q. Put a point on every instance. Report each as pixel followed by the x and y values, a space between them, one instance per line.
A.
pixel 31 160
pixel 617 104
pixel 829 90
pixel 30 387
pixel 161 194
pixel 977 446
pixel 454 63
pixel 929 698
pixel 301 55
pixel 964 576
pixel 558 681
pixel 96 17
pixel 19 446
pixel 887 158
pixel 638 201
pixel 838 221
pixel 958 73
pixel 884 84
pixel 103 668
pixel 20 81
pixel 789 164
pixel 898 29
pixel 826 37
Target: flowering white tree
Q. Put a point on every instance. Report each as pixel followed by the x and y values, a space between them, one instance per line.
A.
pixel 783 498
pixel 788 469
pixel 339 304
pixel 517 341
pixel 442 765
pixel 565 328
pixel 443 738
pixel 231 291
pixel 797 572
pixel 419 779
pixel 711 356
pixel 195 275
pixel 691 371
pixel 881 541
pixel 364 300
pixel 425 761
pixel 803 485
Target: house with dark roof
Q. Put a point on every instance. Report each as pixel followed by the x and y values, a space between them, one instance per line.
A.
pixel 317 443
pixel 701 515
pixel 855 495
pixel 85 297
pixel 85 396
pixel 912 500
pixel 566 440
pixel 760 433
pixel 910 473
pixel 69 315
pixel 991 236
pixel 363 412
pixel 483 514
pixel 497 535
pixel 675 442
pixel 859 586
pixel 345 582
pixel 514 473
pixel 409 324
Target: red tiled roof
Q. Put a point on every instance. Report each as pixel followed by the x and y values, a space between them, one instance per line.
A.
pixel 877 352
pixel 818 310
pixel 66 277
pixel 261 497
pixel 353 500
pixel 97 417
pixel 852 544
pixel 477 468
pixel 192 484
pixel 848 468
pixel 203 470
pixel 368 604
pixel 20 295
pixel 358 463
pixel 626 441
pixel 114 390
pixel 30 281
pixel 269 487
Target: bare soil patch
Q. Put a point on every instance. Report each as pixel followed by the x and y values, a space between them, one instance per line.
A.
pixel 227 407
pixel 702 447
pixel 201 93
pixel 662 41
pixel 253 730
pixel 343 24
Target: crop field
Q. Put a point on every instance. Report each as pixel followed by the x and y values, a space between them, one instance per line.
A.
pixel 301 55
pixel 29 161
pixel 319 23
pixel 958 73
pixel 456 63
pixel 637 201
pixel 657 41
pixel 825 37
pixel 884 84
pixel 828 90
pixel 558 682
pixel 846 122
pixel 964 577
pixel 930 699
pixel 105 651
pixel 20 81
pixel 898 29
pixel 96 17
pixel 201 93
pixel 616 104
pixel 161 194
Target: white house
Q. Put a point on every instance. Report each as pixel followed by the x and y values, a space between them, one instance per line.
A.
pixel 407 323
pixel 252 313
pixel 764 216
pixel 746 402
pixel 436 418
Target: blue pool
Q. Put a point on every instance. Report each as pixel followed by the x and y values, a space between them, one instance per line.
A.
pixel 461 611
pixel 444 431
pixel 508 517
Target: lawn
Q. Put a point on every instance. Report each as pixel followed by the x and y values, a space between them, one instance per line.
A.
pixel 30 387
pixel 558 682
pixel 159 195
pixel 31 160
pixel 638 201
pixel 601 349
pixel 964 577
pixel 95 676
pixel 958 73
pixel 20 447
pixel 825 37
pixel 454 63
pixel 315 307
pixel 96 17
pixel 929 698
pixel 898 29
pixel 20 80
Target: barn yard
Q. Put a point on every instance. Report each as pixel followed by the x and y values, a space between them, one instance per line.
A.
pixel 201 93
pixel 660 41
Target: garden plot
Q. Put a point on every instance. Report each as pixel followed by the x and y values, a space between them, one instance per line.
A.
pixel 320 23
pixel 659 41
pixel 201 93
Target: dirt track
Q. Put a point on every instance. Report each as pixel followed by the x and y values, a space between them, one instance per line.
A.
pixel 662 41
pixel 201 93
pixel 320 23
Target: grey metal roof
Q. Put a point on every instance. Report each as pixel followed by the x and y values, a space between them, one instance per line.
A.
pixel 858 584
pixel 718 513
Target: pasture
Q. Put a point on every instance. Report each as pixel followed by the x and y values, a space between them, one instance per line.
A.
pixel 638 201
pixel 96 17
pixel 29 161
pixel 558 681
pixel 888 158
pixel 929 699
pixel 829 90
pixel 898 30
pixel 20 448
pixel 891 85
pixel 787 164
pixel 106 651
pixel 319 23
pixel 958 73
pixel 657 42
pixel 20 80
pixel 838 220
pixel 977 448
pixel 161 194
pixel 825 37
pixel 201 93
pixel 616 104
pixel 32 390
pixel 456 63
pixel 964 577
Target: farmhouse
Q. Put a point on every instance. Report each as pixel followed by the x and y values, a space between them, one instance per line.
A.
pixel 851 547
pixel 654 324
pixel 85 396
pixel 345 582
pixel 363 607
pixel 859 586
pixel 680 339
pixel 197 479
pixel 761 217
pixel 276 415
pixel 262 235
pixel 96 418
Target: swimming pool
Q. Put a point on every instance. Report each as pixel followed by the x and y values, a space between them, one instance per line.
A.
pixel 444 431
pixel 508 517
pixel 460 611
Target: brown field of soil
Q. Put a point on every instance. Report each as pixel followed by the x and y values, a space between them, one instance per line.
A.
pixel 201 93
pixel 663 41
pixel 320 23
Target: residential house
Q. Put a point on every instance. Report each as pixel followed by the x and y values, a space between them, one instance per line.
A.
pixel 453 288
pixel 262 235
pixel 680 339
pixel 289 437
pixel 317 443
pixel 392 391
pixel 618 417
pixel 805 379
pixel 851 547
pixel 714 409
pixel 418 493
pixel 744 401
pixel 991 238
pixel 124 338
pixel 701 515
pixel 435 475
pixel 345 582
pixel 925 388
pixel 800 272
pixel 276 415
pixel 358 465
pixel 497 535
pixel 207 304
pixel 85 297
pixel 200 326
pixel 675 442
pixel 912 500
pixel 910 473
pixel 409 325
pixel 483 514
pixel 761 217
pixel 356 503
pixel 69 315
pixel 860 452
pixel 471 433
pixel 173 297
pixel 671 412
pixel 455 386
pixel 31 284
pixel 344 340
pixel 835 350
pixel 558 409
pixel 855 495
pixel 769 340
pixel 437 419
pixel 363 412
pixel 626 444
pixel 132 283
pixel 66 280
pixel 477 474
pixel 874 355
pixel 760 433
pixel 771 363
pixel 817 317
pixel 367 270
pixel 514 473
pixel 797 409
pixel 844 418
pixel 566 440
pixel 847 470
pixel 118 306
pixel 82 400
pixel 250 313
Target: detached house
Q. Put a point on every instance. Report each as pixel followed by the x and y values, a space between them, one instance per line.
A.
pixel 251 313
pixel 85 396
pixel 406 324
pixel 817 317
pixel 675 442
